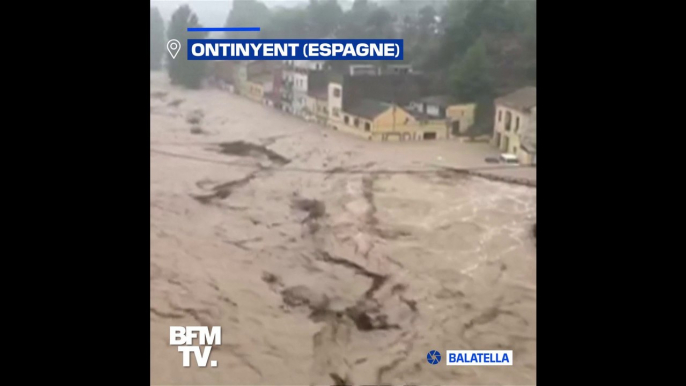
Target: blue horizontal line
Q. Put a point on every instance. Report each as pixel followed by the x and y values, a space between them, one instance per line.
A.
pixel 236 29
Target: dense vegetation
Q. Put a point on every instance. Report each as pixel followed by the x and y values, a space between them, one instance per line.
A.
pixel 188 73
pixel 157 42
pixel 475 50
pixel 483 48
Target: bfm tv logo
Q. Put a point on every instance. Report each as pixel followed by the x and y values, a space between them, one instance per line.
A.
pixel 183 337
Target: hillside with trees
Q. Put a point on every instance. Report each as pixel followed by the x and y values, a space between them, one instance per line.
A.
pixel 475 49
pixel 188 73
pixel 157 43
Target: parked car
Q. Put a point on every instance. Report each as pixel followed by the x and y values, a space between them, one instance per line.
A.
pixel 503 159
pixel 509 159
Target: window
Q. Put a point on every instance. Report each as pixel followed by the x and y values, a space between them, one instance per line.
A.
pixel 500 115
pixel 367 126
pixel 337 92
pixel 514 150
pixel 357 122
pixel 508 121
pixel 516 125
pixel 334 112
pixel 429 135
pixel 346 119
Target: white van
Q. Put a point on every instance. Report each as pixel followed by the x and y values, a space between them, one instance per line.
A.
pixel 509 159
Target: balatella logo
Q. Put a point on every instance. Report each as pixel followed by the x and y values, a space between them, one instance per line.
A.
pixel 479 357
pixel 433 357
pixel 183 337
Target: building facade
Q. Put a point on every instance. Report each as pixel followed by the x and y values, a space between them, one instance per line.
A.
pixel 459 116
pixel 513 115
pixel 299 101
pixel 301 73
pixel 317 105
pixel 273 98
pixel 287 76
pixel 335 104
pixel 527 155
pixel 259 87
pixel 380 121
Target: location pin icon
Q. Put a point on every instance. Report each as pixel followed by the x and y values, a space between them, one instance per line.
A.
pixel 173 46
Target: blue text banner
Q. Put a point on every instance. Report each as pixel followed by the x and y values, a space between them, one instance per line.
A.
pixel 295 49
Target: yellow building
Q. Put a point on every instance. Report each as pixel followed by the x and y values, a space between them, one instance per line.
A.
pixel 317 106
pixel 254 78
pixel 513 116
pixel 258 86
pixel 460 116
pixel 379 121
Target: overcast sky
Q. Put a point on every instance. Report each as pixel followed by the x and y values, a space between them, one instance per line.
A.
pixel 213 13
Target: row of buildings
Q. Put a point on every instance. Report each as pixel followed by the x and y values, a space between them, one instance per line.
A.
pixel 391 103
pixel 380 104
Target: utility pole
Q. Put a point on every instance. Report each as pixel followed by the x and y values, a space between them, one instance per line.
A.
pixel 394 99
pixel 393 115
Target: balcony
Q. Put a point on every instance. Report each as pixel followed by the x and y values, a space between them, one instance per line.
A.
pixel 286 96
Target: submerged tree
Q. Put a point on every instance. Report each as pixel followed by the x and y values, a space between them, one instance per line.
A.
pixel 157 45
pixel 188 73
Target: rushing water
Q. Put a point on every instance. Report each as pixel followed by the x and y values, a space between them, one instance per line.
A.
pixel 326 258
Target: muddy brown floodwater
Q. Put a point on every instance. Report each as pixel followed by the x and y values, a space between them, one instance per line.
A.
pixel 327 259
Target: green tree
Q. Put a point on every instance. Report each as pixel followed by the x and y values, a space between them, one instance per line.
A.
pixel 379 24
pixel 354 22
pixel 471 77
pixel 420 35
pixel 525 13
pixel 472 81
pixel 487 48
pixel 287 23
pixel 324 16
pixel 247 13
pixel 157 43
pixel 188 73
pixel 426 22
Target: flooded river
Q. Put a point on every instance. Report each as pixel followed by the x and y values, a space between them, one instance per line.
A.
pixel 327 259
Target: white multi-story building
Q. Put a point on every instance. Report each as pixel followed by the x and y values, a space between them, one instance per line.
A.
pixel 300 71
